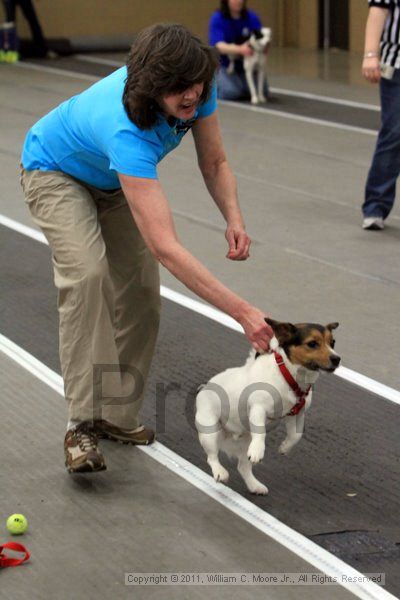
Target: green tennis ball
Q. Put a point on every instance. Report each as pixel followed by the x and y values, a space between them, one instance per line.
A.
pixel 17 524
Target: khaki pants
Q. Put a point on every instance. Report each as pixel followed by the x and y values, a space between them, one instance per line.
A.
pixel 108 295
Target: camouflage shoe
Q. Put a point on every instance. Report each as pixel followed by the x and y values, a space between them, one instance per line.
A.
pixel 81 452
pixel 138 437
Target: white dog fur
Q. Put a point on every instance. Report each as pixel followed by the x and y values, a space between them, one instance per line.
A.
pixel 258 41
pixel 238 427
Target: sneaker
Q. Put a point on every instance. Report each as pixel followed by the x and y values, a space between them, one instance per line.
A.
pixel 81 452
pixel 138 437
pixel 373 223
pixel 51 54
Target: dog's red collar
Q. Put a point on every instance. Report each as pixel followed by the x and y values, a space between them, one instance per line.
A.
pixel 300 394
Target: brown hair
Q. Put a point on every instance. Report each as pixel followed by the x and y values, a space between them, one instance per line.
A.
pixel 165 59
pixel 224 8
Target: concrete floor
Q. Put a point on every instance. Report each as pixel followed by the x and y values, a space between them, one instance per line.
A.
pixel 85 532
pixel 301 187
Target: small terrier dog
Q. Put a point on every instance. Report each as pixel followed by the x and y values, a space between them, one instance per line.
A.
pixel 258 41
pixel 234 407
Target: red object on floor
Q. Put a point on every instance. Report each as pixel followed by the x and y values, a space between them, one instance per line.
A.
pixel 7 561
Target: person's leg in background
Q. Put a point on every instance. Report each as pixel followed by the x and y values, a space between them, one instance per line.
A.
pixel 231 86
pixel 40 46
pixel 9 42
pixel 380 188
pixel 234 86
pixel 9 10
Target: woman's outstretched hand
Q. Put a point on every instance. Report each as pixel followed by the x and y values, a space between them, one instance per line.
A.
pixel 257 331
pixel 239 242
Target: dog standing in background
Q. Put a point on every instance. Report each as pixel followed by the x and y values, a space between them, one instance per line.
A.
pixel 258 41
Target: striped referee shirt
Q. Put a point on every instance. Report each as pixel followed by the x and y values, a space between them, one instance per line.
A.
pixel 390 41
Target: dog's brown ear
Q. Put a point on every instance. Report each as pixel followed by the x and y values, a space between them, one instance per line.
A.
pixel 284 332
pixel 331 326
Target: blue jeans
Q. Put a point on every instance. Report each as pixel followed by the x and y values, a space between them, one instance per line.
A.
pixel 380 189
pixel 234 87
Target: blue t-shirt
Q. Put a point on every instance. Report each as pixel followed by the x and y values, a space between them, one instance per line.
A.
pixel 91 137
pixel 231 31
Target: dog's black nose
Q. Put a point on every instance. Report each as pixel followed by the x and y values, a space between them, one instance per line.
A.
pixel 335 360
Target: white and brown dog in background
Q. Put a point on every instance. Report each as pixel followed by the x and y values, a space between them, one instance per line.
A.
pixel 258 41
pixel 234 407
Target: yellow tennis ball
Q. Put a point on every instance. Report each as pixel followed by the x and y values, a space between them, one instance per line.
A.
pixel 17 524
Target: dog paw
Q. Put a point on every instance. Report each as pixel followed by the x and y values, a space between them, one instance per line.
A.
pixel 285 448
pixel 254 101
pixel 259 489
pixel 220 474
pixel 262 99
pixel 255 453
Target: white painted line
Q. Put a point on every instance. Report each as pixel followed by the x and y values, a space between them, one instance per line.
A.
pixel 369 384
pixel 199 307
pixel 327 99
pixel 283 91
pixel 31 364
pixel 289 538
pixel 295 542
pixel 294 117
pixel 55 71
pixel 343 372
pixel 24 229
pixel 279 186
pixel 99 61
pixel 212 313
pixel 237 105
pixel 328 263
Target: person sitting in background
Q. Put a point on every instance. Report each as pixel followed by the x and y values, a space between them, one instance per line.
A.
pixel 228 26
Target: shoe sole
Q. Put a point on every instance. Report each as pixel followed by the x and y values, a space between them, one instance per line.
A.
pixel 373 228
pixel 107 436
pixel 87 467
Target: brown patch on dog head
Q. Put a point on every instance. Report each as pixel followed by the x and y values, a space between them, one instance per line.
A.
pixel 285 333
pixel 314 349
pixel 307 344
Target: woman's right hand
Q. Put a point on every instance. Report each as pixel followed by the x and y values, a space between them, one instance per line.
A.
pixel 257 331
pixel 245 50
pixel 371 69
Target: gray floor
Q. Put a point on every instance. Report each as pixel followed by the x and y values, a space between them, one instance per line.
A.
pixel 343 477
pixel 87 532
pixel 300 187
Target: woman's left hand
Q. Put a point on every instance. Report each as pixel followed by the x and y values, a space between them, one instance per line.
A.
pixel 239 242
